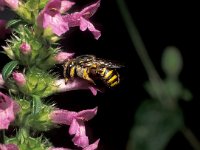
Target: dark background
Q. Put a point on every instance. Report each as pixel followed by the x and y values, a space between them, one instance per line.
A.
pixel 160 25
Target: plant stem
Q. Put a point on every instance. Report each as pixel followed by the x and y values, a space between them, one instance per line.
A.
pixel 141 50
pixel 137 40
pixel 191 138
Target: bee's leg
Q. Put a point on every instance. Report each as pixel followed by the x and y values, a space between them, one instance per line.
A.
pixel 66 79
pixel 64 72
pixel 86 76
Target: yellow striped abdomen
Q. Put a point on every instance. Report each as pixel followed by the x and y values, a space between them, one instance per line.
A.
pixel 110 77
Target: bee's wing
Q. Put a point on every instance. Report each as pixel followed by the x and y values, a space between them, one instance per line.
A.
pixel 85 60
pixel 108 64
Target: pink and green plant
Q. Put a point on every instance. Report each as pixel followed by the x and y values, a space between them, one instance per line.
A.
pixel 33 49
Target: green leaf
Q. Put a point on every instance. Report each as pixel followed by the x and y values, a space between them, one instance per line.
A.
pixel 8 69
pixel 32 5
pixel 154 126
pixel 42 3
pixel 172 62
pixel 186 95
pixel 13 22
pixel 173 88
pixel 36 104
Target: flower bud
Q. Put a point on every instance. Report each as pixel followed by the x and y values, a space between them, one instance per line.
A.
pixel 9 52
pixel 19 79
pixel 25 48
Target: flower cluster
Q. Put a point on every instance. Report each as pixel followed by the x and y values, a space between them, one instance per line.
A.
pixel 27 81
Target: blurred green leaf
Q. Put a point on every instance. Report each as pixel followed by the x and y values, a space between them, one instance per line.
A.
pixel 170 89
pixel 8 69
pixel 172 62
pixel 36 104
pixel 42 3
pixel 154 126
pixel 186 95
pixel 173 88
pixel 32 5
pixel 13 23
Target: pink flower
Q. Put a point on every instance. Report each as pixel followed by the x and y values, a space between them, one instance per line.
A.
pixel 76 121
pixel 25 48
pixel 50 16
pixel 19 78
pixel 13 4
pixel 8 147
pixel 61 57
pixel 81 19
pixel 3 30
pixel 8 109
pixel 2 82
pixel 76 84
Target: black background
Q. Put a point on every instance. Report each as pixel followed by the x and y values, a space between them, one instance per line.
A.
pixel 160 25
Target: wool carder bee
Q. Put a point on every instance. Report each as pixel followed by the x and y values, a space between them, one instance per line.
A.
pixel 90 68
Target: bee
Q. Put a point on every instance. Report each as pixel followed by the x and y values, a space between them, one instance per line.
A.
pixel 90 68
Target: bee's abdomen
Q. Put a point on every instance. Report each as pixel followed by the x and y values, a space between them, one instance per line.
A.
pixel 110 77
pixel 70 70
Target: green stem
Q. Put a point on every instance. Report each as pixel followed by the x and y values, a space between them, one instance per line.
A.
pixel 140 47
pixel 191 138
pixel 137 40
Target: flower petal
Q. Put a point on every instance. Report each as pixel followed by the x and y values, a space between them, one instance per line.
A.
pixel 65 6
pixel 13 4
pixel 8 109
pixel 81 141
pixel 61 116
pixel 76 84
pixel 19 78
pixel 87 114
pixel 84 24
pixel 73 127
pixel 81 19
pixel 2 82
pixel 25 48
pixel 93 90
pixel 50 16
pixel 8 147
pixel 89 11
pixel 61 57
pixel 92 146
pixel 56 23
